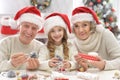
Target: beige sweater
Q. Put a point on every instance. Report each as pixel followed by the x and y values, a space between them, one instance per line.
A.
pixel 44 56
pixel 106 45
pixel 12 45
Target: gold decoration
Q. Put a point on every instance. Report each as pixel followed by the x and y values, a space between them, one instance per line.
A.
pixel 41 4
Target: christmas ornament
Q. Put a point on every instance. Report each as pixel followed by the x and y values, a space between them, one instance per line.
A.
pixel 88 57
pixel 41 4
pixel 105 12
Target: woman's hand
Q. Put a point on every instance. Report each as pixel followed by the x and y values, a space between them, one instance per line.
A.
pixel 82 62
pixel 98 64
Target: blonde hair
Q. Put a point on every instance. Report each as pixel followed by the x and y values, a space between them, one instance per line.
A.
pixel 51 45
pixel 92 27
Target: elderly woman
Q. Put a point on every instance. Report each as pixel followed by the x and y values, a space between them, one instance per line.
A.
pixel 93 37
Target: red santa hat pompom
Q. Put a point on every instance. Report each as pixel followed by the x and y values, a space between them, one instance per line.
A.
pixel 29 14
pixel 6 29
pixel 85 14
pixel 56 19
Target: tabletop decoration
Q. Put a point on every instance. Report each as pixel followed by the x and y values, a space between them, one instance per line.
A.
pixel 81 69
pixel 58 76
pixel 24 76
pixel 116 76
pixel 11 74
pixel 88 56
pixel 33 55
pixel 59 64
pixel 87 76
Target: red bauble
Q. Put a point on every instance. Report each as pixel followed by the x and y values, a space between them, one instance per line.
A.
pixel 111 19
pixel 98 1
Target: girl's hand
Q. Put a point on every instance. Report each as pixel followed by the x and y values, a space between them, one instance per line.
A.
pixel 66 64
pixel 52 62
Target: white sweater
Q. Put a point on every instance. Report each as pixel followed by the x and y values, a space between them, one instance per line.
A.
pixel 44 56
pixel 107 47
pixel 12 45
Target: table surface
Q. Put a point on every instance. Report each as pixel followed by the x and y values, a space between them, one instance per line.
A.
pixel 42 75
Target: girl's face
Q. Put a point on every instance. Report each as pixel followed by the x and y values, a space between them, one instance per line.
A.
pixel 82 30
pixel 56 34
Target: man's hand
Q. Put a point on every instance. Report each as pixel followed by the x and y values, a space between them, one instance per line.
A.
pixel 32 64
pixel 18 59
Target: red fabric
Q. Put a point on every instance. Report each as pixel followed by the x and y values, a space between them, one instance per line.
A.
pixel 29 9
pixel 7 30
pixel 84 9
pixel 41 31
pixel 64 17
pixel 98 1
pixel 88 57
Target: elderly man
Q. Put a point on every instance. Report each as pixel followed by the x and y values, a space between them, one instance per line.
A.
pixel 14 50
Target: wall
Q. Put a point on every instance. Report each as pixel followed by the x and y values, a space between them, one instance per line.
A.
pixel 10 7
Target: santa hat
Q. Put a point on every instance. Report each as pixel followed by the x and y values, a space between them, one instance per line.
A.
pixel 85 14
pixel 6 28
pixel 28 14
pixel 56 19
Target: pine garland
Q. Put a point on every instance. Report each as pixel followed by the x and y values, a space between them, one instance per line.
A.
pixel 41 4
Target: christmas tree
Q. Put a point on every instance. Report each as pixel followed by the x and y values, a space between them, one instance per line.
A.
pixel 105 12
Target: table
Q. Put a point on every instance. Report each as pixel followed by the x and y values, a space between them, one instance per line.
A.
pixel 103 75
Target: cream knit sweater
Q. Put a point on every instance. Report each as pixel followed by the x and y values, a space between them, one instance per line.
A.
pixel 106 46
pixel 44 56
pixel 12 45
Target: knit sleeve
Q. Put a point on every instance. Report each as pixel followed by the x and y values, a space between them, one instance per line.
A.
pixel 113 50
pixel 44 58
pixel 5 55
pixel 72 52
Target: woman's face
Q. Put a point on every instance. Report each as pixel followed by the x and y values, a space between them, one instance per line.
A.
pixel 82 29
pixel 57 34
pixel 28 32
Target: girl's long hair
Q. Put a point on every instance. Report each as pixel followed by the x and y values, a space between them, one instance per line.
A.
pixel 51 46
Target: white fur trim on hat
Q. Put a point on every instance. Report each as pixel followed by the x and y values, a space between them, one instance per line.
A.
pixel 82 17
pixel 99 27
pixel 52 22
pixel 5 20
pixel 32 18
pixel 13 24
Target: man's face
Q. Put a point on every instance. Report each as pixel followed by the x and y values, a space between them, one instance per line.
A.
pixel 28 32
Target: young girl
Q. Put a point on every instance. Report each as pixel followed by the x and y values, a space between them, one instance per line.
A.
pixel 57 49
